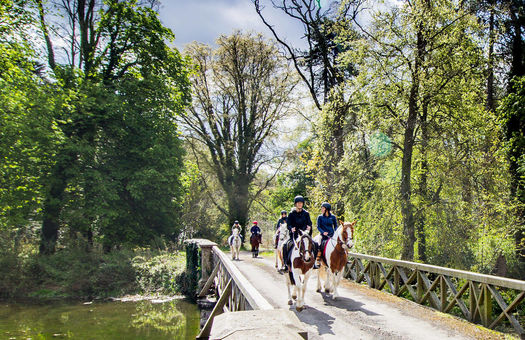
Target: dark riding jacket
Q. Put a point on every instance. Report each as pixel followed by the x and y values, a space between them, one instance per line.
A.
pixel 299 221
pixel 255 229
pixel 281 220
pixel 327 224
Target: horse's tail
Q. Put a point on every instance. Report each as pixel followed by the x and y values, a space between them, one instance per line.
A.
pixel 292 280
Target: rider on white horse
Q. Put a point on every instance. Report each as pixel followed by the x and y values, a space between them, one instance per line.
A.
pixel 298 219
pixel 326 224
pixel 235 225
pixel 281 221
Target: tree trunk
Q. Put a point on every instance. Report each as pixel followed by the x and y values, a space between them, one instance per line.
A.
pixel 53 202
pixel 423 187
pixel 490 69
pixel 409 237
pixel 516 127
pixel 238 195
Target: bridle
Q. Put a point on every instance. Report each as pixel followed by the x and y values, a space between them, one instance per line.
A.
pixel 302 251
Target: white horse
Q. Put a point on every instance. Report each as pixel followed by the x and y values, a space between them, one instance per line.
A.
pixel 336 257
pixel 302 261
pixel 235 244
pixel 284 236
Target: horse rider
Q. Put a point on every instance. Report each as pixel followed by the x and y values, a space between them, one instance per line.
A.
pixel 235 226
pixel 298 219
pixel 281 220
pixel 327 225
pixel 255 228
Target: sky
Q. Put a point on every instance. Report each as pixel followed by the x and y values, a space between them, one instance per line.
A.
pixel 205 20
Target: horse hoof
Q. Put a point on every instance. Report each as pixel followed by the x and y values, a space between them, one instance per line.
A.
pixel 299 308
pixel 294 297
pixel 327 290
pixel 290 302
pixel 318 290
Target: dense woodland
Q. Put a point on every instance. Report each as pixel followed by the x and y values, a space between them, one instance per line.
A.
pixel 408 116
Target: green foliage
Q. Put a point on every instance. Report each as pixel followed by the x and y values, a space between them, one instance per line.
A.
pixel 159 274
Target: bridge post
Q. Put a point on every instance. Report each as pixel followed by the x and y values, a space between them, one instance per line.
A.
pixel 207 263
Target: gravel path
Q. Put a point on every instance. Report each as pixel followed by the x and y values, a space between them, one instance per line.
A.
pixel 359 312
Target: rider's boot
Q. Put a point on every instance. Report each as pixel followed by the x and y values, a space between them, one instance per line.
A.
pixel 285 257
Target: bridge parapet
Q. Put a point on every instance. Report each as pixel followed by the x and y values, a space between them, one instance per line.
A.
pixel 234 294
pixel 486 299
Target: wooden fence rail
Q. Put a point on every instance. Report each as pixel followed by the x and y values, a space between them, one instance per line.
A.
pixel 486 299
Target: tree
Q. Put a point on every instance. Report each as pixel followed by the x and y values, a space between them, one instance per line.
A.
pixel 417 54
pixel 327 32
pixel 121 159
pixel 241 90
pixel 29 132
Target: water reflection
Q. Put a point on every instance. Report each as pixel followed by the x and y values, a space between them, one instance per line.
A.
pixel 176 319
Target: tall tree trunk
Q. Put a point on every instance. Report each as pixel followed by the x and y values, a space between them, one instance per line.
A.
pixel 409 237
pixel 490 69
pixel 516 125
pixel 238 195
pixel 54 201
pixel 423 187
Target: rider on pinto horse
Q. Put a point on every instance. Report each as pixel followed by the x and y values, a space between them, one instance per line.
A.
pixel 326 224
pixel 298 219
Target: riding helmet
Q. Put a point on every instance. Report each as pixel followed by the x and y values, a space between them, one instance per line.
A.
pixel 283 212
pixel 236 222
pixel 327 206
pixel 298 198
pixel 254 222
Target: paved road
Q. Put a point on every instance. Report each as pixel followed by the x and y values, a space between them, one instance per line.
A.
pixel 359 312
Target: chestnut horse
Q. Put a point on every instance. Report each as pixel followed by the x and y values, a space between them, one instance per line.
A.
pixel 335 257
pixel 302 260
pixel 255 241
pixel 284 236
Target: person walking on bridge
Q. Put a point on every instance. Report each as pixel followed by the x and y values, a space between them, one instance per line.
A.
pixel 281 220
pixel 326 224
pixel 298 219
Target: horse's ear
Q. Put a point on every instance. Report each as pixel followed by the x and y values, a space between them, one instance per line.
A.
pixel 341 222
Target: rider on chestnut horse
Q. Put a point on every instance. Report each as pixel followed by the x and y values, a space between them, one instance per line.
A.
pixel 255 230
pixel 298 219
pixel 326 224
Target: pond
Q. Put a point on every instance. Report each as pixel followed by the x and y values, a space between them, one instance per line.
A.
pixel 174 319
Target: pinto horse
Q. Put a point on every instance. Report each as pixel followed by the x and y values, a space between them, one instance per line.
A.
pixel 255 241
pixel 235 245
pixel 284 236
pixel 335 257
pixel 302 260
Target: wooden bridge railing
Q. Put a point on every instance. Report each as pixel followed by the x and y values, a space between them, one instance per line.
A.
pixel 479 298
pixel 234 292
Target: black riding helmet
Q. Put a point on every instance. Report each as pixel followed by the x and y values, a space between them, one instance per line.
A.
pixel 236 222
pixel 284 212
pixel 298 198
pixel 327 206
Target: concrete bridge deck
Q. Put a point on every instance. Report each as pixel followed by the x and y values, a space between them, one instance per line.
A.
pixel 360 312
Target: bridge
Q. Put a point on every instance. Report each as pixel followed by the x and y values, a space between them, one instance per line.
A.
pixel 381 298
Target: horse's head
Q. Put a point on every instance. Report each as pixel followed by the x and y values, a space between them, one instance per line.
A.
pixel 345 234
pixel 306 247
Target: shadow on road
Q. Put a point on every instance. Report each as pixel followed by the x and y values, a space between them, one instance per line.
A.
pixel 346 303
pixel 312 316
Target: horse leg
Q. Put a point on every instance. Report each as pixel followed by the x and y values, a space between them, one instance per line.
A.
pixel 337 279
pixel 328 281
pixel 321 268
pixel 288 288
